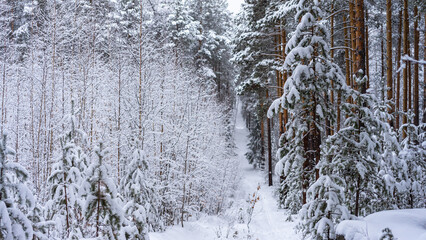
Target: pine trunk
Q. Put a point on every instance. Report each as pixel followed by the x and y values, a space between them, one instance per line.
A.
pixel 424 75
pixel 140 71
pixel 278 73
pixel 352 41
pixel 398 76
pixel 268 124
pixel 367 56
pixel 416 68
pixel 347 47
pixel 405 71
pixel 360 42
pixel 389 54
pixel 331 132
pixel 284 74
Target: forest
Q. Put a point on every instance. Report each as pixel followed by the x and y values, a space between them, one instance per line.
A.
pixel 131 119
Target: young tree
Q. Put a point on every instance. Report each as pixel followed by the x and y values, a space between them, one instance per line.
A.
pixel 15 197
pixel 102 211
pixel 65 203
pixel 143 202
pixel 366 144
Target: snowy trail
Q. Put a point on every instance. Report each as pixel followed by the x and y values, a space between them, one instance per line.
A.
pixel 268 222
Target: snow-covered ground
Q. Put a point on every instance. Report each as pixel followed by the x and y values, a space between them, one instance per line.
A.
pixel 267 223
pixel 406 224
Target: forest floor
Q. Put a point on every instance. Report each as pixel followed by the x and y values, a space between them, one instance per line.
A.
pixel 267 221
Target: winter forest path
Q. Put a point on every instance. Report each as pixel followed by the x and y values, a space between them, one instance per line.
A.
pixel 267 222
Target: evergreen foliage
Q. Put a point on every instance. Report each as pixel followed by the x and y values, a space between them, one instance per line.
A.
pixel 65 203
pixel 15 197
pixel 102 211
pixel 143 201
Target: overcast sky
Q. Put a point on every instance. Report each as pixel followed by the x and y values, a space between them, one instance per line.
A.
pixel 234 5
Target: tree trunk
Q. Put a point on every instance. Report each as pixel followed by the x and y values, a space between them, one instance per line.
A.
pixel 278 73
pixel 331 132
pixel 66 204
pixel 398 76
pixel 268 123
pixel 389 54
pixel 357 195
pixel 424 75
pixel 262 135
pixel 405 72
pixel 119 121
pixel 416 68
pixel 347 46
pixel 352 41
pixel 284 74
pixel 140 72
pixel 360 42
pixel 367 57
pixel 18 103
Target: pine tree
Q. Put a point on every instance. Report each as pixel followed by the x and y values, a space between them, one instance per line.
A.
pixel 102 211
pixel 15 197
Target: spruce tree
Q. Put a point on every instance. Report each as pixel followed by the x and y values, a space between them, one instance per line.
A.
pixel 65 203
pixel 311 73
pixel 15 197
pixel 365 146
pixel 143 201
pixel 40 224
pixel 411 185
pixel 102 211
pixel 254 156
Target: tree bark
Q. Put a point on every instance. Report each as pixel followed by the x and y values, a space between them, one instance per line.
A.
pixel 389 54
pixel 284 74
pixel 332 58
pixel 268 123
pixel 140 71
pixel 347 46
pixel 424 75
pixel 360 43
pixel 367 57
pixel 262 136
pixel 352 41
pixel 278 73
pixel 398 76
pixel 405 72
pixel 416 68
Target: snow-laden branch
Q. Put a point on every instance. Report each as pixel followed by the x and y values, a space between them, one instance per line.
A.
pixel 410 59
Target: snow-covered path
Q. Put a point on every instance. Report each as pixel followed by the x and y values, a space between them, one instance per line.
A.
pixel 268 222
